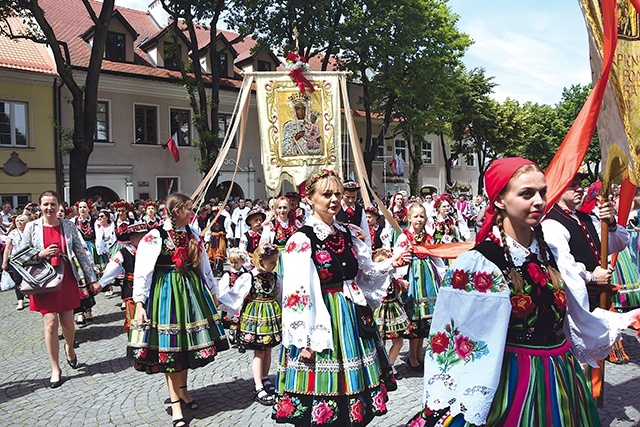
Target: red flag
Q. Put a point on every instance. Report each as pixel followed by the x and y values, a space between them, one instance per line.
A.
pixel 172 145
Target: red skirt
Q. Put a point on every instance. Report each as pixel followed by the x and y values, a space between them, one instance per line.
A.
pixel 67 298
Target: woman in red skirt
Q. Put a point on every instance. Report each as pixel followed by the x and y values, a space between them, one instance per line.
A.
pixel 58 241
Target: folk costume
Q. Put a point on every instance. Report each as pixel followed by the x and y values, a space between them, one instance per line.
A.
pixel 251 239
pixel 401 215
pixel 354 214
pixel 86 227
pixel 230 317
pixel 346 384
pixel 216 238
pixel 184 329
pixel 390 315
pixel 503 356
pixel 277 233
pixel 122 263
pixel 446 230
pixel 257 295
pixel 424 282
pixel 523 350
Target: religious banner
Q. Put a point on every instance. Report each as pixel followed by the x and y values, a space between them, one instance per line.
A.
pixel 299 131
pixel 619 121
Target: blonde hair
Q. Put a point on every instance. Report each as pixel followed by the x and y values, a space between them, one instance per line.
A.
pixel 173 203
pixel 265 251
pixel 235 257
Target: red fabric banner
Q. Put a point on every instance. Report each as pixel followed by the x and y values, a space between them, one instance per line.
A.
pixel 172 145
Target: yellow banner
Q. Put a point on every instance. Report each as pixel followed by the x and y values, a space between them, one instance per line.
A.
pixel 299 131
pixel 619 121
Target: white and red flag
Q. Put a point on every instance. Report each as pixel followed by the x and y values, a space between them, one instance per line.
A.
pixel 172 145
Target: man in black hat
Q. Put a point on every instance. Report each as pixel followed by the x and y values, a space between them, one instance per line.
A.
pixel 575 238
pixel 352 213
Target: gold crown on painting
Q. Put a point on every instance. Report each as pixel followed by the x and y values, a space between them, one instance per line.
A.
pixel 299 98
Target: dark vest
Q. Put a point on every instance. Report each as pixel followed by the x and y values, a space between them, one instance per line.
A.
pixel 251 247
pixel 376 241
pixel 584 242
pixel 355 219
pixel 128 263
pixel 333 266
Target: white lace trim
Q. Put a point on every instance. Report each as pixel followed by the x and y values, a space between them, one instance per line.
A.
pixel 520 253
pixel 441 392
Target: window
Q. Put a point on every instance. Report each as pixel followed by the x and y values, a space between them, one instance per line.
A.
pixel 115 47
pixel 346 147
pixel 13 124
pixel 18 201
pixel 170 56
pixel 223 65
pixel 181 123
pixel 146 124
pixel 166 186
pixel 401 149
pixel 224 121
pixel 264 66
pixel 471 161
pixel 379 152
pixel 102 122
pixel 427 152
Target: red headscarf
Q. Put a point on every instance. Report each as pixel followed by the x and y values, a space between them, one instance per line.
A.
pixel 496 179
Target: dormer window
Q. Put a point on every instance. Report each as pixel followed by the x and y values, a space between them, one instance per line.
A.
pixel 115 48
pixel 171 56
pixel 264 66
pixel 223 66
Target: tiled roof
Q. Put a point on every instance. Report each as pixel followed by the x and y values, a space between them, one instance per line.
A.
pixel 24 55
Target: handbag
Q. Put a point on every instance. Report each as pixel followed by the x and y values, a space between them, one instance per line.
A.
pixel 367 327
pixel 38 276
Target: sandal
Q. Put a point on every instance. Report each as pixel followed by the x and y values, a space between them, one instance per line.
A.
pixel 268 387
pixel 180 422
pixel 193 405
pixel 80 320
pixel 261 396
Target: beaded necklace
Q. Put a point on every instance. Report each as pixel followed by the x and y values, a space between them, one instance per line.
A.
pixel 335 242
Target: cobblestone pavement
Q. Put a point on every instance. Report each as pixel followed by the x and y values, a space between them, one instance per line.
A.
pixel 106 391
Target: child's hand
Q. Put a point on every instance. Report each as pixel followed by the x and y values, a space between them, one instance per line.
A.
pixel 307 355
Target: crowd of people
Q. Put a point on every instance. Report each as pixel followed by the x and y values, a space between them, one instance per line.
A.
pixel 510 327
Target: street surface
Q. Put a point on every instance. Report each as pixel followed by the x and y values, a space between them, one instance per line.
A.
pixel 106 391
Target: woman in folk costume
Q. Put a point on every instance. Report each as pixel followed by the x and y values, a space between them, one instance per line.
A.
pixel 328 373
pixel 151 217
pixel 509 333
pixel 424 281
pixel 216 238
pixel 280 228
pixel 85 224
pixel 399 211
pixel 445 221
pixel 176 324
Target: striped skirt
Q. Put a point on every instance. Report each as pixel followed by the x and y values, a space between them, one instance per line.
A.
pixel 538 387
pixel 626 276
pixel 420 298
pixel 184 329
pixel 346 386
pixel 260 324
pixel 391 318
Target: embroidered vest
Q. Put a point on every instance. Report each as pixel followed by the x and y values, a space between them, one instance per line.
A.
pixel 584 242
pixel 333 257
pixel 355 219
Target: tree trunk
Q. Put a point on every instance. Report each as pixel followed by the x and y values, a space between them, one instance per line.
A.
pixel 447 160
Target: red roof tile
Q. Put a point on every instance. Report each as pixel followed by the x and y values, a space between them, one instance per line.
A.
pixel 24 55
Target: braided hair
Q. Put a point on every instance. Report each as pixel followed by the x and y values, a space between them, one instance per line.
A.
pixel 175 202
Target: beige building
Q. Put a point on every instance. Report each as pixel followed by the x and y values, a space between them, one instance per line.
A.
pixel 28 83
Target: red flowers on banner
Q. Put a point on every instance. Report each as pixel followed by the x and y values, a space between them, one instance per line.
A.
pixel 296 64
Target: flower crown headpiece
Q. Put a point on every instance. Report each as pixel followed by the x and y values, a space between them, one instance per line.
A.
pixel 88 202
pixel 151 203
pixel 267 250
pixel 311 182
pixel 122 204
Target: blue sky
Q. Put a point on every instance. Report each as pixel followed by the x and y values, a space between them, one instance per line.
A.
pixel 533 48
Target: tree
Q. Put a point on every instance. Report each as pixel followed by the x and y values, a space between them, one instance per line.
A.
pixel 84 94
pixel 473 121
pixel 543 136
pixel 320 25
pixel 186 15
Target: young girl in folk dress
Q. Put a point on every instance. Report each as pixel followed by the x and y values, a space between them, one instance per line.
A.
pixel 390 315
pixel 424 281
pixel 177 326
pixel 236 269
pixel 260 327
pixel 282 227
pixel 250 240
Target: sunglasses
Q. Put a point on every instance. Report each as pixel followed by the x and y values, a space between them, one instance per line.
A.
pixel 101 216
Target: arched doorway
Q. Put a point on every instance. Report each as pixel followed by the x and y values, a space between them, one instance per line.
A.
pixel 107 194
pixel 222 188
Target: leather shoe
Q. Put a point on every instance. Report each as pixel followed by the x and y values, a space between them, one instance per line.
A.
pixel 55 384
pixel 72 362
